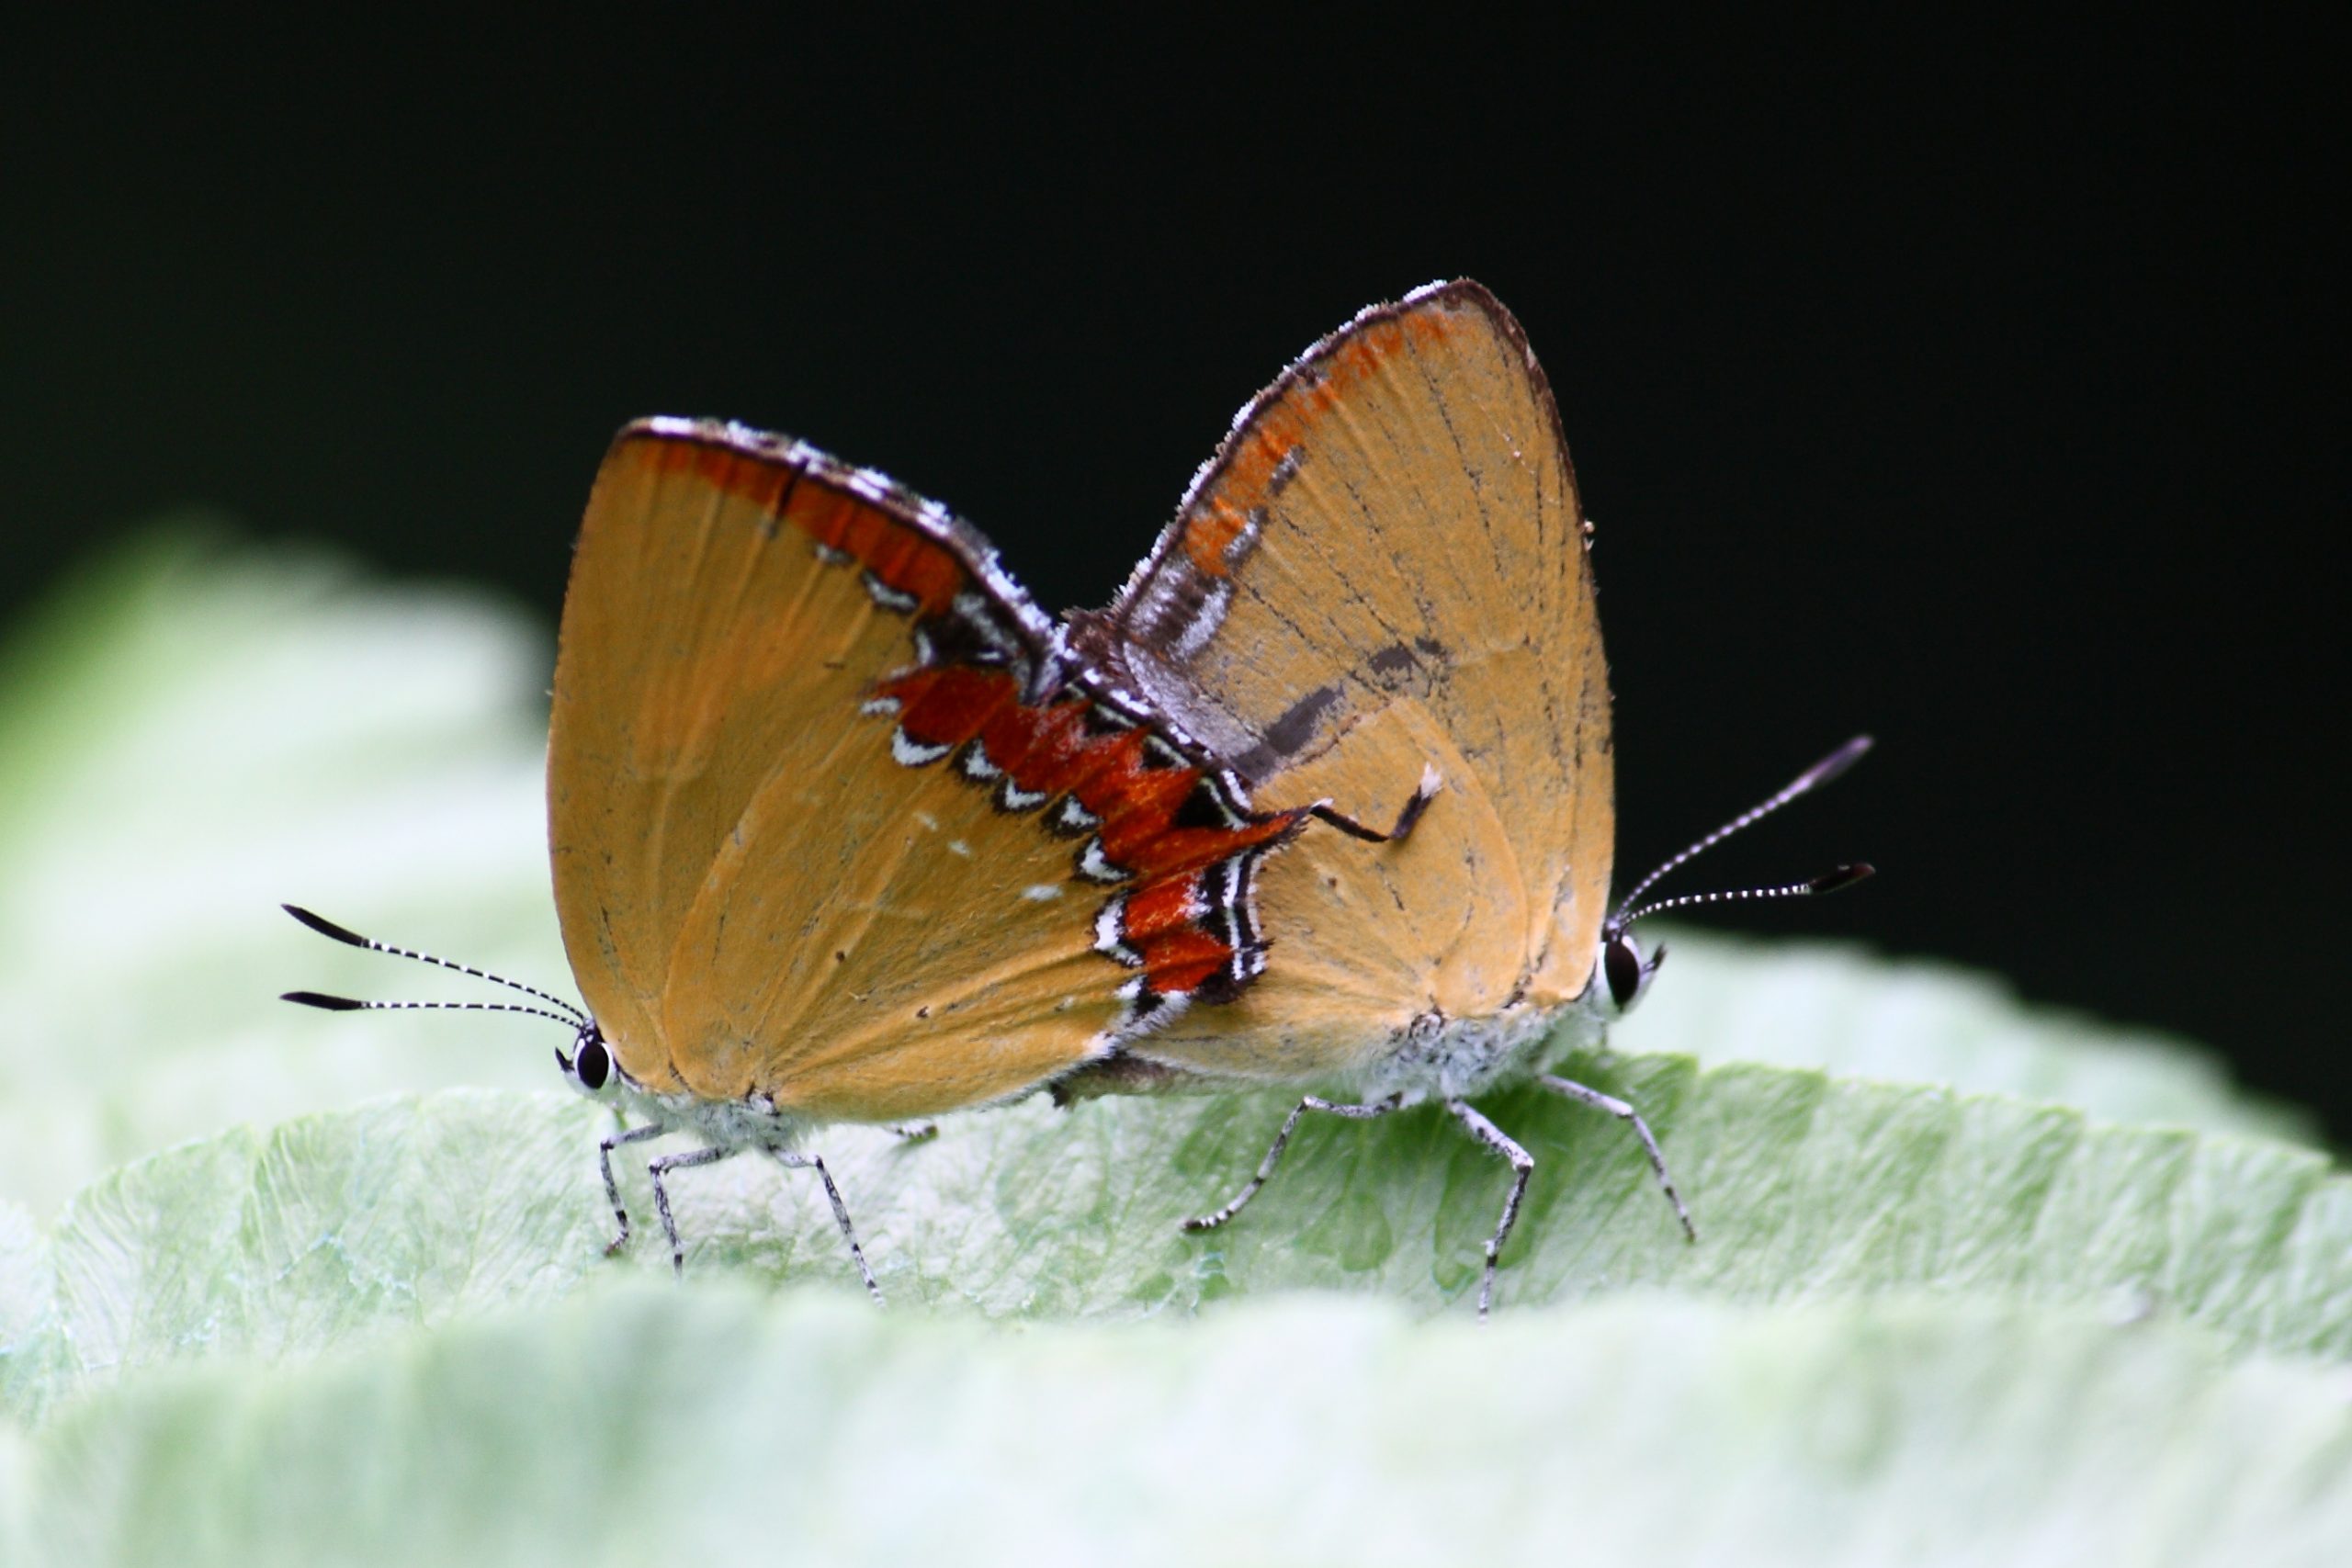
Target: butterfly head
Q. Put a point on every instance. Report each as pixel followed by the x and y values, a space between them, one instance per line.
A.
pixel 1622 974
pixel 590 1067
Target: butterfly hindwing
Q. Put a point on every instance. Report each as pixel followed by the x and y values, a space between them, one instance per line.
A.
pixel 1385 566
pixel 830 826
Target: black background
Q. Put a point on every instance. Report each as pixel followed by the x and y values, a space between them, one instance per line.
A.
pixel 1980 389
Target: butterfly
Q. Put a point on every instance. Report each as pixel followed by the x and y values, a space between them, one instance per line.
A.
pixel 1378 592
pixel 838 832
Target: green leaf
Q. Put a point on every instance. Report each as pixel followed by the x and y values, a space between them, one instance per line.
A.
pixel 191 736
pixel 341 1226
pixel 709 1426
pixel 329 1230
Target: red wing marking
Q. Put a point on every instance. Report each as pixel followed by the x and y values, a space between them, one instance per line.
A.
pixel 900 558
pixel 1177 834
pixel 1180 850
pixel 948 707
pixel 717 464
pixel 1183 960
pixel 1163 907
pixel 863 517
pixel 1128 783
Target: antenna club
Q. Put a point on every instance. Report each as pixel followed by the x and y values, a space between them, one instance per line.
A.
pixel 320 999
pixel 1829 882
pixel 1834 764
pixel 325 927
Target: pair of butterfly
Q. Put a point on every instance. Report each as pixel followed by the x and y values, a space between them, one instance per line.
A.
pixel 844 830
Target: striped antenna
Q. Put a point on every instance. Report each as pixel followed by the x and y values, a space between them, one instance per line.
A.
pixel 354 1004
pixel 1805 782
pixel 1829 882
pixel 568 1015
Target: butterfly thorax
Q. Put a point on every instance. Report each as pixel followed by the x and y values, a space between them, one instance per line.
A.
pixel 1440 1058
pixel 754 1121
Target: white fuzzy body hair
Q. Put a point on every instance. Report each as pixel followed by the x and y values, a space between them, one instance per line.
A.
pixel 1451 1058
pixel 751 1124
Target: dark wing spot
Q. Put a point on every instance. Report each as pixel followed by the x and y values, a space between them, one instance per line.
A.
pixel 1279 480
pixel 1290 732
pixel 957 639
pixel 1218 988
pixel 1419 668
pixel 1201 808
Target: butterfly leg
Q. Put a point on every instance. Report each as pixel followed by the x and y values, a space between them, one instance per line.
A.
pixel 1273 1155
pixel 664 1166
pixel 914 1132
pixel 1522 1165
pixel 792 1161
pixel 1415 803
pixel 1632 1118
pixel 605 1147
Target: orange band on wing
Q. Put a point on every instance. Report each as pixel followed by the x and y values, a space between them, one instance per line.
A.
pixel 903 558
pixel 1252 468
pixel 725 469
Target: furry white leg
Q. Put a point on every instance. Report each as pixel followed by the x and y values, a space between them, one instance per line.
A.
pixel 1274 1155
pixel 1522 1165
pixel 664 1166
pixel 1632 1118
pixel 792 1161
pixel 605 1147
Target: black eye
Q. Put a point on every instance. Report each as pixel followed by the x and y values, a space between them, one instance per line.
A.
pixel 595 1065
pixel 1621 966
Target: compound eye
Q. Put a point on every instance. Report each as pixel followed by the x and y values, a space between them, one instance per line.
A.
pixel 1621 967
pixel 594 1067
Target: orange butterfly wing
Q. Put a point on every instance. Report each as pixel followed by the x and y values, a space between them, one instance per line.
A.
pixel 1385 566
pixel 827 822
